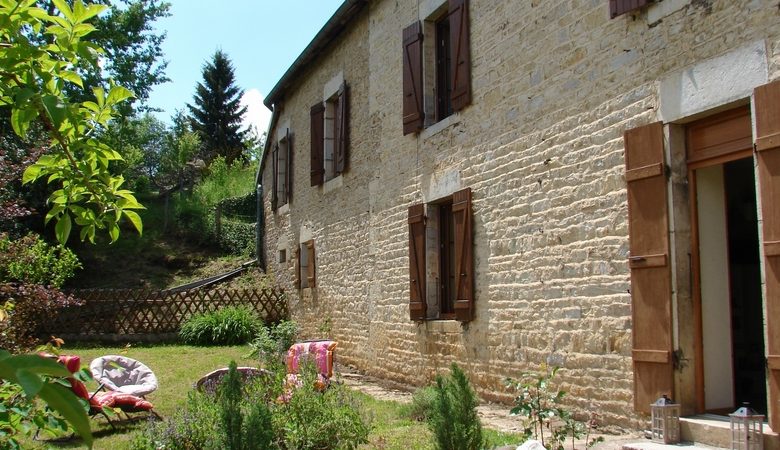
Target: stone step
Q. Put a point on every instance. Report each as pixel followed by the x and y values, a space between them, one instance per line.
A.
pixel 649 445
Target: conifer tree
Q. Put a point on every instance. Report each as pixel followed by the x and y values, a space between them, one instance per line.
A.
pixel 217 112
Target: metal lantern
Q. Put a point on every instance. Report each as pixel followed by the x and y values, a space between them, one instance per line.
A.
pixel 747 429
pixel 665 421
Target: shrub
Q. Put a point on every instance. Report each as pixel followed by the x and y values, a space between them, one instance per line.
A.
pixel 320 420
pixel 272 342
pixel 237 237
pixel 423 404
pixel 231 325
pixel 242 433
pixel 196 425
pixel 31 260
pixel 454 422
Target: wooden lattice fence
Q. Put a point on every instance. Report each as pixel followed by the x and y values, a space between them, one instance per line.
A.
pixel 133 315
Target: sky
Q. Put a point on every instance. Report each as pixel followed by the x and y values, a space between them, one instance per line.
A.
pixel 262 38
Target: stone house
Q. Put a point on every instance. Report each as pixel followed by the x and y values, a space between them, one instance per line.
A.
pixel 589 184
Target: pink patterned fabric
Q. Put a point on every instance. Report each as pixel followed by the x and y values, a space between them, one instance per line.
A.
pixel 321 351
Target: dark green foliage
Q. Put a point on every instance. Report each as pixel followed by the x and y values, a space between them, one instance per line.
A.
pixel 231 325
pixel 244 205
pixel 454 421
pixel 237 237
pixel 242 433
pixel 217 111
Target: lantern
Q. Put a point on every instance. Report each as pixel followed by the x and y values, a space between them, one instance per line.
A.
pixel 747 429
pixel 665 421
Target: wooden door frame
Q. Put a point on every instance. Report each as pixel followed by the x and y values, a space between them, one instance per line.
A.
pixel 692 166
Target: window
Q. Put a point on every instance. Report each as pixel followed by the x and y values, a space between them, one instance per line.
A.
pixel 282 256
pixel 305 273
pixel 441 259
pixel 618 7
pixel 329 137
pixel 281 156
pixel 436 71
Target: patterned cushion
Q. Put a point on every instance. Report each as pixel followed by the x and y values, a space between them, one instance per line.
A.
pixel 321 351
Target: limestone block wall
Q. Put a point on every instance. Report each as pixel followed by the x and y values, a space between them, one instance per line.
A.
pixel 555 84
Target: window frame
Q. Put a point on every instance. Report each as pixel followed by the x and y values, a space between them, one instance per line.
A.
pixel 329 133
pixel 281 193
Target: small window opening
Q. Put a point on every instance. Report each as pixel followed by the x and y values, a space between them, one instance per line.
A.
pixel 443 69
pixel 282 256
pixel 329 158
pixel 306 264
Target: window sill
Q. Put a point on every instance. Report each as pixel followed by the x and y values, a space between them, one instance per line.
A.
pixel 284 209
pixel 332 184
pixel 440 126
pixel 443 326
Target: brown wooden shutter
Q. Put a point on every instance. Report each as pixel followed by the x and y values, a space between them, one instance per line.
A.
pixel 317 171
pixel 413 113
pixel 651 288
pixel 289 175
pixel 767 108
pixel 275 170
pixel 342 116
pixel 618 7
pixel 464 255
pixel 417 305
pixel 461 54
pixel 310 271
pixel 297 257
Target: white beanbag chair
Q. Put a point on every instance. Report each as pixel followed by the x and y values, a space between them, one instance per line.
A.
pixel 122 374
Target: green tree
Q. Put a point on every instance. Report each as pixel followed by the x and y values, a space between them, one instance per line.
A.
pixel 133 50
pixel 33 83
pixel 217 111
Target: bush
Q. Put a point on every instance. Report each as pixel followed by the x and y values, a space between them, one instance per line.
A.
pixel 423 404
pixel 237 237
pixel 320 420
pixel 196 425
pixel 231 325
pixel 454 422
pixel 31 260
pixel 272 342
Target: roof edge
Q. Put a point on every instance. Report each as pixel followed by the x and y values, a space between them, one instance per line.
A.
pixel 332 28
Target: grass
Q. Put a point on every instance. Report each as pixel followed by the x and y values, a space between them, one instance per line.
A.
pixel 178 367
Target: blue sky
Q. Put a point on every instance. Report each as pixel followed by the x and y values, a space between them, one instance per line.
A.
pixel 261 37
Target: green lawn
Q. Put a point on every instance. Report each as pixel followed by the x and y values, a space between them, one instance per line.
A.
pixel 178 366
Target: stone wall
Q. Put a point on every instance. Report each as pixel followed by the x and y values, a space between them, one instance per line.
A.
pixel 555 84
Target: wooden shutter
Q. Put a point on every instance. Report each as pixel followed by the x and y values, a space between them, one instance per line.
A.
pixel 310 271
pixel 464 255
pixel 413 114
pixel 651 288
pixel 275 170
pixel 317 171
pixel 618 7
pixel 342 116
pixel 289 175
pixel 461 54
pixel 417 305
pixel 767 109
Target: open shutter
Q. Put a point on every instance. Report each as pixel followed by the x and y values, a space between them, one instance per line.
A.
pixel 651 285
pixel 310 270
pixel 317 144
pixel 618 7
pixel 417 306
pixel 413 113
pixel 289 175
pixel 461 54
pixel 342 115
pixel 275 175
pixel 464 255
pixel 767 109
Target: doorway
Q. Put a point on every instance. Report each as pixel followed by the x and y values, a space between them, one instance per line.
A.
pixel 730 322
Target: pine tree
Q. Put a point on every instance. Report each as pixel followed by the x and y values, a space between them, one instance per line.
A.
pixel 217 113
